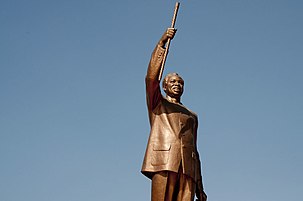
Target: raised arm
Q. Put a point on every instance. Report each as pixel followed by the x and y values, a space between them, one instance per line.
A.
pixel 158 53
pixel 153 93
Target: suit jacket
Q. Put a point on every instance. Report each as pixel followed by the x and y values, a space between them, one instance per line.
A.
pixel 173 135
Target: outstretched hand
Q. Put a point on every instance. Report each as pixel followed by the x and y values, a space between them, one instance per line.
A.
pixel 168 34
pixel 202 197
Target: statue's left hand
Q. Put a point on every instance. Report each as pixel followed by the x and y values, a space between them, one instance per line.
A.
pixel 202 196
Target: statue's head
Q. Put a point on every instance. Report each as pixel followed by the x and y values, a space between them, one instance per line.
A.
pixel 173 85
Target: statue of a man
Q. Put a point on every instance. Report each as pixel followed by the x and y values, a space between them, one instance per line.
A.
pixel 171 160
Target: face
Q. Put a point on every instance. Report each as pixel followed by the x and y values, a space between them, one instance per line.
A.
pixel 174 86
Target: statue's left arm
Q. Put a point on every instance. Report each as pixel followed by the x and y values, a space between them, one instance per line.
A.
pixel 201 195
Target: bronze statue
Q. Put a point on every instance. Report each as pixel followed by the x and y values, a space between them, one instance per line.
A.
pixel 171 159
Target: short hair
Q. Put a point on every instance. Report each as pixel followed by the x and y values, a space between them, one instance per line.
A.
pixel 165 80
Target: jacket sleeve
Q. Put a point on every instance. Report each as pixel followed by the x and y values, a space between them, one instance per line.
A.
pixel 153 93
pixel 155 63
pixel 199 184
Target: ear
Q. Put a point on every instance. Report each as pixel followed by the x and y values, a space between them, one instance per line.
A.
pixel 164 87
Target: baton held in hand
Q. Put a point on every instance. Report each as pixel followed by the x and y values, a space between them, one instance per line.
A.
pixel 168 41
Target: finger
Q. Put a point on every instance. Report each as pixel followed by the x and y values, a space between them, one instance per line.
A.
pixel 171 30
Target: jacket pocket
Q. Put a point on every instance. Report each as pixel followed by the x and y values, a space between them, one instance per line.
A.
pixel 160 154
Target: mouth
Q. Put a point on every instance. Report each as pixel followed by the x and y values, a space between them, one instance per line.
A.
pixel 176 89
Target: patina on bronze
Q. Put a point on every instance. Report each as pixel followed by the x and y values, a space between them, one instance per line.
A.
pixel 171 159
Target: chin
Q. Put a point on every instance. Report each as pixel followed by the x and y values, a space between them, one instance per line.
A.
pixel 179 94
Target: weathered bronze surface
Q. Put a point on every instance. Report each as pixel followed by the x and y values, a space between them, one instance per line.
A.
pixel 171 159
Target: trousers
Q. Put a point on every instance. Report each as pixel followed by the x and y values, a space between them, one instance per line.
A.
pixel 172 186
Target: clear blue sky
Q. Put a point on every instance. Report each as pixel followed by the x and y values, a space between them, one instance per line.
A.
pixel 73 119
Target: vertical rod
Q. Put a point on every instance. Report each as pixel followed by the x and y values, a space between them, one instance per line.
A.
pixel 168 41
